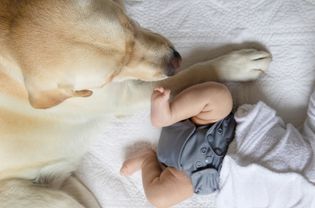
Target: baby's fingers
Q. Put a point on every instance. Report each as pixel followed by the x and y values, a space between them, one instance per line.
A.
pixel 159 89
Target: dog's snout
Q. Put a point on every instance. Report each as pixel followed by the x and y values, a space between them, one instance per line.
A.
pixel 176 54
pixel 174 63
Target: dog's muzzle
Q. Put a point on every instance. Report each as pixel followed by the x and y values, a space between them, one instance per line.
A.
pixel 174 63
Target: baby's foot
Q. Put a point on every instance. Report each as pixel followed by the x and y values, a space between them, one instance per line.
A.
pixel 134 164
pixel 160 107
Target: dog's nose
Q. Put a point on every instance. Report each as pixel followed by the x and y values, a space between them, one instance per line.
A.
pixel 174 63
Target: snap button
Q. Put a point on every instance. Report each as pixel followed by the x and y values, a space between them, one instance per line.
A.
pixel 198 164
pixel 208 159
pixel 204 150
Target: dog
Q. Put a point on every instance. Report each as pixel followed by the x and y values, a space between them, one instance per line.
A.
pixel 64 66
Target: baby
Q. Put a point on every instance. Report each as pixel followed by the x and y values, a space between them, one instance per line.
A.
pixel 198 129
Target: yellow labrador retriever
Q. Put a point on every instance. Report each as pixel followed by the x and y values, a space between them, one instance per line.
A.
pixel 64 66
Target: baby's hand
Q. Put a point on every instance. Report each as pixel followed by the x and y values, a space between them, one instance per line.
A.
pixel 160 94
pixel 160 107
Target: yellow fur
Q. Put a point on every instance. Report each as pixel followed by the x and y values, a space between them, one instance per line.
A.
pixel 61 67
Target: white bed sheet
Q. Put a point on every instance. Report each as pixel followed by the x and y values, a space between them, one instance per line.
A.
pixel 203 29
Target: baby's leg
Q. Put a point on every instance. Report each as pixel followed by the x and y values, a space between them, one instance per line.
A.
pixel 135 163
pixel 205 103
pixel 163 188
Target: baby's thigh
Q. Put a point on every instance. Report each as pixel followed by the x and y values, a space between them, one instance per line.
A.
pixel 170 174
pixel 172 179
pixel 173 186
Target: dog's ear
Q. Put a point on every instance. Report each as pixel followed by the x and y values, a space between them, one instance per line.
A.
pixel 50 98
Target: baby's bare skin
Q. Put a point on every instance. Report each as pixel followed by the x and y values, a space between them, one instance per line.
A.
pixel 163 187
pixel 204 103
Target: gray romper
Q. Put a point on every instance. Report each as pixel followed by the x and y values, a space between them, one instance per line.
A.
pixel 197 150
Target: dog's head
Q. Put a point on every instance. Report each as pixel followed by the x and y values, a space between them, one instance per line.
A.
pixel 66 48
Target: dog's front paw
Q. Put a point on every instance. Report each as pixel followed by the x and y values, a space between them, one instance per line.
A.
pixel 242 65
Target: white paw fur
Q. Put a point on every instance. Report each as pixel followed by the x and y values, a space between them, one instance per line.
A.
pixel 242 65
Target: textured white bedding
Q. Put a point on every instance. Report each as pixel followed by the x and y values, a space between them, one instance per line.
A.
pixel 202 29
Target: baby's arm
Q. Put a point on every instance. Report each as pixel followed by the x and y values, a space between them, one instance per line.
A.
pixel 205 103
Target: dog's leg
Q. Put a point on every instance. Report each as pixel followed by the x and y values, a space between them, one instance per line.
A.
pixel 241 65
pixel 24 194
pixel 78 191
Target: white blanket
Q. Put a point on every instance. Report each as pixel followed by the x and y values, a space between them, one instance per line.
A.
pixel 269 164
pixel 255 186
pixel 201 30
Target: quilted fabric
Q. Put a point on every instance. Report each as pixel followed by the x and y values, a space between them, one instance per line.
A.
pixel 200 30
